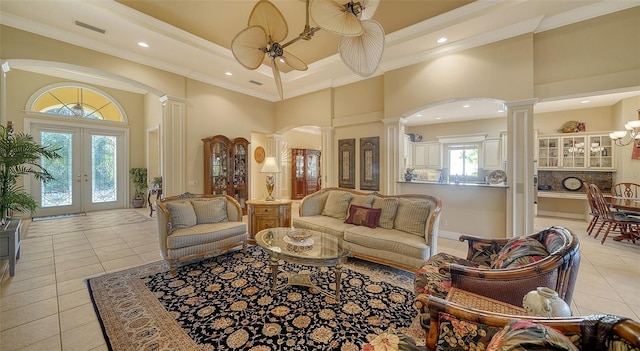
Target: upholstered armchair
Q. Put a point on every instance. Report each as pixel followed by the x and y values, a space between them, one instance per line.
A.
pixel 505 269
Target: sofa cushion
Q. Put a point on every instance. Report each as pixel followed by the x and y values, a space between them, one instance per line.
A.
pixel 362 200
pixel 337 204
pixel 388 206
pixel 456 334
pixel 314 204
pixel 360 215
pixel 525 335
pixel 411 216
pixel 182 214
pixel 322 224
pixel 204 233
pixel 210 210
pixel 392 241
pixel 520 251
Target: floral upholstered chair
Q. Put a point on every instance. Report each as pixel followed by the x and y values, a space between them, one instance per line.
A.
pixel 505 269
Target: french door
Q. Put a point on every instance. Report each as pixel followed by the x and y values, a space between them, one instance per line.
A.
pixel 91 174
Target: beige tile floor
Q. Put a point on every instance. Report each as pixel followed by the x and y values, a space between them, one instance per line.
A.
pixel 46 306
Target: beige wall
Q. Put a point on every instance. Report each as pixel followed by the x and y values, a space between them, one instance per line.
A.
pixel 502 70
pixel 491 126
pixel 598 119
pixel 628 170
pixel 596 55
pixel 313 109
pixel 359 98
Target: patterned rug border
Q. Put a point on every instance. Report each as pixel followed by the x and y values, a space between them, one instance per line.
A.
pixel 173 336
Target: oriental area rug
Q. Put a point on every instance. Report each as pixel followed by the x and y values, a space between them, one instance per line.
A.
pixel 226 303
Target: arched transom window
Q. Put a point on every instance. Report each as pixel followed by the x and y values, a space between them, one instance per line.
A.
pixel 77 102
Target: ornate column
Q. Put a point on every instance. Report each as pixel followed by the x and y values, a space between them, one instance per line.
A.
pixel 393 150
pixel 327 158
pixel 520 167
pixel 172 147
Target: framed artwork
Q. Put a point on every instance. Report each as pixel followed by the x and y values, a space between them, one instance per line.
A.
pixel 370 163
pixel 347 163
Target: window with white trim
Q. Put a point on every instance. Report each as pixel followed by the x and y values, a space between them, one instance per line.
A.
pixel 77 101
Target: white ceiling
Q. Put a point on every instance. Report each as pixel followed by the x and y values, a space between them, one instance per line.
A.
pixel 185 48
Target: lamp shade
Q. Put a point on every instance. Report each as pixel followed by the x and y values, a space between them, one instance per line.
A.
pixel 270 165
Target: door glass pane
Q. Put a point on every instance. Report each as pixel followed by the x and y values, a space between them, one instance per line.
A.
pixel 58 192
pixel 103 168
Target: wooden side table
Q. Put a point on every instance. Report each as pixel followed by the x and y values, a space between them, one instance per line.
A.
pixel 268 214
pixel 483 303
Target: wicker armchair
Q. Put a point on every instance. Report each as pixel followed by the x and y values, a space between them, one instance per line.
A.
pixel 595 332
pixel 558 270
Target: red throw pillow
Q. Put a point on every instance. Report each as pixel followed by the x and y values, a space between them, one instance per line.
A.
pixel 360 215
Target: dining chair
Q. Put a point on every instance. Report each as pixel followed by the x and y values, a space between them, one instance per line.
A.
pixel 628 226
pixel 629 191
pixel 593 210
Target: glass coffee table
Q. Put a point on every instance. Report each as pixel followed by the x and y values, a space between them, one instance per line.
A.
pixel 304 247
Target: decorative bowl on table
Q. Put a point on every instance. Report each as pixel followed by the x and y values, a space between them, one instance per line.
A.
pixel 298 235
pixel 299 240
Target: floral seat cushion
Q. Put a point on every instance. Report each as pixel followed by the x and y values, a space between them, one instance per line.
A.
pixel 521 335
pixel 520 251
pixel 430 280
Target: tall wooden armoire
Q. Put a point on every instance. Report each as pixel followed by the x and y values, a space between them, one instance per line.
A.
pixel 305 172
pixel 226 168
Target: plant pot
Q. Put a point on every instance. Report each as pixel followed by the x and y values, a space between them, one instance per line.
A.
pixel 408 177
pixel 137 203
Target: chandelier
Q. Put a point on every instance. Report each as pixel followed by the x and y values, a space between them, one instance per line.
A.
pixel 633 127
pixel 360 46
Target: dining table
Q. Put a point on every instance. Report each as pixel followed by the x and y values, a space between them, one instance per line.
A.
pixel 626 204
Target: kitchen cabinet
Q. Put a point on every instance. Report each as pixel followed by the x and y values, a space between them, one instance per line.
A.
pixel 427 155
pixel 576 151
pixel 503 147
pixel 491 154
pixel 419 155
pixel 226 168
pixel 434 155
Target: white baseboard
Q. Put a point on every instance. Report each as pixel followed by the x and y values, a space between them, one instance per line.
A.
pixel 561 214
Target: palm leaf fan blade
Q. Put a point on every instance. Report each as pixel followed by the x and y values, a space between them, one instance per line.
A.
pixel 266 15
pixel 362 54
pixel 276 77
pixel 332 17
pixel 294 62
pixel 369 7
pixel 247 47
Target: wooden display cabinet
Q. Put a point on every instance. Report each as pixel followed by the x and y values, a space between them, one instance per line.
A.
pixel 226 168
pixel 305 172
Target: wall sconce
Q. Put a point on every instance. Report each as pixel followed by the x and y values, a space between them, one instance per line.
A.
pixel 270 166
pixel 633 127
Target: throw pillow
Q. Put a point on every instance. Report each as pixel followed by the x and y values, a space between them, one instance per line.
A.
pixel 210 210
pixel 337 204
pixel 521 335
pixel 182 214
pixel 520 251
pixel 362 200
pixel 388 206
pixel 456 334
pixel 411 216
pixel 360 215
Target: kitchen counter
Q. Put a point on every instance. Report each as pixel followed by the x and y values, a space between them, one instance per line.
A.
pixel 562 194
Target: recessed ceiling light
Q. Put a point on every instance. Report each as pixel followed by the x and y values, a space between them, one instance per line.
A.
pixel 438 117
pixel 466 106
pixel 142 44
pixel 418 115
pixel 442 40
pixel 228 73
pixel 585 101
pixel 500 111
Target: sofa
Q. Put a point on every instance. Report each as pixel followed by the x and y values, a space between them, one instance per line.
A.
pixel 506 269
pixel 455 327
pixel 399 230
pixel 192 226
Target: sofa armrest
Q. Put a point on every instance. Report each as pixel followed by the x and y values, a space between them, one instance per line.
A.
pixel 164 228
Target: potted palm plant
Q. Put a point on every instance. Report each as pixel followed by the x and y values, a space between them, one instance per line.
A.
pixel 139 179
pixel 20 156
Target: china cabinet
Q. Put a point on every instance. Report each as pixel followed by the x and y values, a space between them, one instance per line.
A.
pixel 585 151
pixel 226 167
pixel 305 172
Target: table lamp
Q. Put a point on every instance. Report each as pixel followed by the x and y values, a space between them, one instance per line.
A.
pixel 270 166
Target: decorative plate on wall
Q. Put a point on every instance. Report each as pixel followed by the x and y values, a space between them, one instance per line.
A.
pixel 258 154
pixel 572 183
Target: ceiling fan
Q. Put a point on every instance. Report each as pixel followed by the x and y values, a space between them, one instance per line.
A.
pixel 360 46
